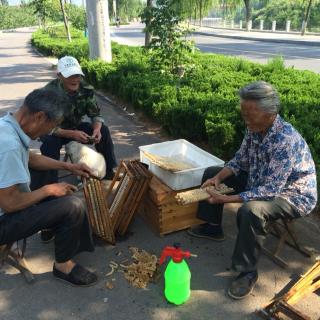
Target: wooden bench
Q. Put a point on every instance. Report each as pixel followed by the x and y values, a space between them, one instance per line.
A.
pixel 283 230
pixel 14 259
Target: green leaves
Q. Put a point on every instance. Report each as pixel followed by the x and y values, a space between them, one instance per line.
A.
pixel 169 52
pixel 203 105
pixel 15 17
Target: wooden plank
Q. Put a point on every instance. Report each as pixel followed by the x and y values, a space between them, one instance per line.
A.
pixel 174 207
pixel 179 225
pixel 149 217
pixel 165 219
pixel 163 222
pixel 159 192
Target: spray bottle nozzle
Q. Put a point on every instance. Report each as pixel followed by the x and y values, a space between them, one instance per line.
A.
pixel 175 253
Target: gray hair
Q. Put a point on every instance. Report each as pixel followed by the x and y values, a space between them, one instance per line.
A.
pixel 264 94
pixel 50 102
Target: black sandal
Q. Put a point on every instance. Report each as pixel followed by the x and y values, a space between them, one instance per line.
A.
pixel 79 276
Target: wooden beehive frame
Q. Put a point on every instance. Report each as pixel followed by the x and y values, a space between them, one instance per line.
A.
pixel 281 307
pixel 196 195
pixel 117 196
pixel 98 211
pixel 111 212
pixel 125 197
pixel 142 177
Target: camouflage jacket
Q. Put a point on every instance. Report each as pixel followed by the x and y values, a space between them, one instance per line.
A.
pixel 83 103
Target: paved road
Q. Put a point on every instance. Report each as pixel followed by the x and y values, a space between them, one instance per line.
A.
pixel 299 56
pixel 21 70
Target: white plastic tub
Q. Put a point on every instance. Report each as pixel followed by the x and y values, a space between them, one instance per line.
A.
pixel 182 150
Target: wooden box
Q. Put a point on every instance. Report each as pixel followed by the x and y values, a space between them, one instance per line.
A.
pixel 160 210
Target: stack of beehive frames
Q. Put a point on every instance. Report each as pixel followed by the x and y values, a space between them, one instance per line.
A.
pixel 98 211
pixel 191 196
pixel 126 196
pixel 111 212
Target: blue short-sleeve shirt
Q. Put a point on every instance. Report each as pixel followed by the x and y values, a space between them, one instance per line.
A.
pixel 14 155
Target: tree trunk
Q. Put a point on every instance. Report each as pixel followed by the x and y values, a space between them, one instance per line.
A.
pixel 99 30
pixel 306 18
pixel 200 12
pixel 248 12
pixel 65 20
pixel 148 35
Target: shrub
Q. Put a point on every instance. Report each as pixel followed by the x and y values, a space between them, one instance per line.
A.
pixel 16 17
pixel 203 105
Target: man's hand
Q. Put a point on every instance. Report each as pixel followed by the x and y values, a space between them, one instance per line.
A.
pixel 215 181
pixel 59 189
pixel 79 136
pixel 216 198
pixel 79 169
pixel 96 135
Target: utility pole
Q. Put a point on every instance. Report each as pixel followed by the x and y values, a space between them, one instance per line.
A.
pixel 99 30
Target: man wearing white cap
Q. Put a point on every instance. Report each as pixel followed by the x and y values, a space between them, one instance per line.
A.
pixel 82 103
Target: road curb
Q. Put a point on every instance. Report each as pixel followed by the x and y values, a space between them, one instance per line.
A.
pixel 303 42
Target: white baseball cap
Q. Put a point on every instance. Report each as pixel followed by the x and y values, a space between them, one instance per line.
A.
pixel 69 66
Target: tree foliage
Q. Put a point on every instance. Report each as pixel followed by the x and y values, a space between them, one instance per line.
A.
pixel 15 17
pixel 169 51
pixel 77 16
pixel 196 9
pixel 47 10
pixel 129 9
pixel 293 10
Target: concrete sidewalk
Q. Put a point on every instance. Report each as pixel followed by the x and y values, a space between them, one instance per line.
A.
pixel 22 70
pixel 267 36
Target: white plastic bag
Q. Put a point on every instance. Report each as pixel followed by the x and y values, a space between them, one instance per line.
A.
pixel 80 153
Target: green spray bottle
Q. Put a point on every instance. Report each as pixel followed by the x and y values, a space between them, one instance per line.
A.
pixel 177 275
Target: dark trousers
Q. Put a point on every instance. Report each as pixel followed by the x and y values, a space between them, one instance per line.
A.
pixel 66 216
pixel 252 219
pixel 51 146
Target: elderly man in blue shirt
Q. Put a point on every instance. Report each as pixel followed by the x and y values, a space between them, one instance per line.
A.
pixel 22 211
pixel 273 175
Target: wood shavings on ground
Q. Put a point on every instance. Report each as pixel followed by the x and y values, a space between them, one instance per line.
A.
pixel 109 285
pixel 142 270
pixel 191 196
pixel 114 266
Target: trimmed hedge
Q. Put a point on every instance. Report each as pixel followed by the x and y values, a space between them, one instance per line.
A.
pixel 204 104
pixel 52 42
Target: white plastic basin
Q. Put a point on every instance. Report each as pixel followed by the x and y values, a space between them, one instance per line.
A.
pixel 182 150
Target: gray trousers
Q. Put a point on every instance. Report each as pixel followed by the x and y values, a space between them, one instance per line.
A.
pixel 252 219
